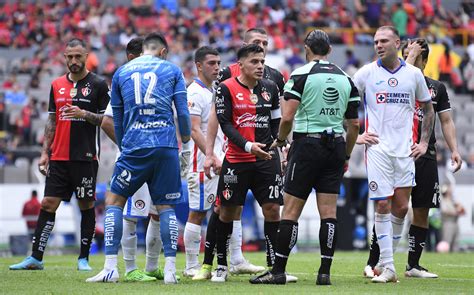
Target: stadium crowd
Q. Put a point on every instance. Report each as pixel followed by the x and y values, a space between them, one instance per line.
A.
pixel 41 27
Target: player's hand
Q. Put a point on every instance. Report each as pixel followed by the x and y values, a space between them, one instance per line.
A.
pixel 184 159
pixel 72 112
pixel 368 138
pixel 414 49
pixel 208 164
pixel 456 161
pixel 418 150
pixel 217 165
pixel 257 151
pixel 346 166
pixel 278 143
pixel 43 163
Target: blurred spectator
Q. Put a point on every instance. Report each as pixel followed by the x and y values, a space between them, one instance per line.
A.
pixel 31 210
pixel 92 62
pixel 434 229
pixel 445 64
pixel 468 73
pixel 400 19
pixel 450 212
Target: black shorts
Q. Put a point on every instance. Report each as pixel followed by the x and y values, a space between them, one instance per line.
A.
pixel 426 192
pixel 263 178
pixel 67 177
pixel 313 165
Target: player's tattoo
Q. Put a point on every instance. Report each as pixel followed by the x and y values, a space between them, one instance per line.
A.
pixel 428 122
pixel 94 119
pixel 49 131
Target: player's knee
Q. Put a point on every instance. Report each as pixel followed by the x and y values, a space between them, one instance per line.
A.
pixel 196 217
pixel 271 212
pixel 50 204
pixel 420 217
pixel 155 217
pixel 383 206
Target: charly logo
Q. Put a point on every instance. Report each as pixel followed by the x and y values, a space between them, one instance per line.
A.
pixel 330 95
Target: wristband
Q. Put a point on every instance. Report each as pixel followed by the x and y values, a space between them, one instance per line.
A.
pixel 248 146
pixel 186 146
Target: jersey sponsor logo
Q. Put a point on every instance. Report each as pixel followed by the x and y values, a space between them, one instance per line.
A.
pixel 433 92
pixel 125 178
pixel 392 97
pixel 252 121
pixel 61 90
pixel 253 98
pixel 190 104
pixel 139 204
pixel 330 80
pixel 147 125
pixel 373 186
pixel 381 97
pixel 330 111
pixel 86 91
pixel 227 193
pixel 330 95
pixel 172 196
pixel 392 82
pixel 379 82
pixel 73 92
pixel 230 177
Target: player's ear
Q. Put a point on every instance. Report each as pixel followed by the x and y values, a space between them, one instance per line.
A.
pixel 163 53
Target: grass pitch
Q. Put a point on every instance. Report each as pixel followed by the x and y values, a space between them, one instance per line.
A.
pixel 60 276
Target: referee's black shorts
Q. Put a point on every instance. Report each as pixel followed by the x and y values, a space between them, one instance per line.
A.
pixel 426 192
pixel 312 165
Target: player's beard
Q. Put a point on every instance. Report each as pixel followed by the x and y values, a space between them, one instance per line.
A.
pixel 76 68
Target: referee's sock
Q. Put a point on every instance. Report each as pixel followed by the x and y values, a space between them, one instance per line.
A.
pixel 270 230
pixel 224 231
pixel 374 253
pixel 210 244
pixel 416 243
pixel 87 231
pixel 286 240
pixel 43 230
pixel 327 242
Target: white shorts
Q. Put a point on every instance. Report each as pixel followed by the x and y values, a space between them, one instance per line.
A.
pixel 202 191
pixel 386 173
pixel 140 205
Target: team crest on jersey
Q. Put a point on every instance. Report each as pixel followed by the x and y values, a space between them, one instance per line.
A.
pixel 253 98
pixel 373 186
pixel 86 91
pixel 266 96
pixel 139 204
pixel 433 93
pixel 381 97
pixel 227 193
pixel 73 92
pixel 392 82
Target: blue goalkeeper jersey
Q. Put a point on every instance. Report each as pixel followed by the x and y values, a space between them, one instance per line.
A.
pixel 143 91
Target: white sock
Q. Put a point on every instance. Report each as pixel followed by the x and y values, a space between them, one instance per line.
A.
pixel 129 244
pixel 170 264
pixel 235 244
pixel 397 225
pixel 192 244
pixel 153 245
pixel 110 262
pixel 383 229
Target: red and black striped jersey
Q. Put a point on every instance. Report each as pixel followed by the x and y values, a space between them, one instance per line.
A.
pixel 247 115
pixel 440 100
pixel 77 139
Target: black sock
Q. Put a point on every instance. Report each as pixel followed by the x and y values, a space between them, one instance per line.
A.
pixel 286 240
pixel 87 231
pixel 416 243
pixel 327 242
pixel 270 230
pixel 210 244
pixel 224 231
pixel 374 250
pixel 44 227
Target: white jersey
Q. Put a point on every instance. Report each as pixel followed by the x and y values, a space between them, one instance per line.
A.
pixel 389 100
pixel 108 111
pixel 199 103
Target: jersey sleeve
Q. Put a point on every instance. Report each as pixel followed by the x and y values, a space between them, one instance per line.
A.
pixel 354 95
pixel 181 103
pixel 195 103
pixel 104 96
pixel 442 99
pixel 422 93
pixel 108 111
pixel 223 103
pixel 116 101
pixel 294 87
pixel 52 103
pixel 280 82
pixel 360 77
pixel 223 75
pixel 275 94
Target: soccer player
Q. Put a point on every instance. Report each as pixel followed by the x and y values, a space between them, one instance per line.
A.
pixel 202 191
pixel 425 194
pixel 143 92
pixel 137 206
pixel 318 97
pixel 248 110
pixel 391 88
pixel 69 158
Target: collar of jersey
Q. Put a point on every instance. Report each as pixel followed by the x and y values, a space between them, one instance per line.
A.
pixel 243 85
pixel 200 83
pixel 402 64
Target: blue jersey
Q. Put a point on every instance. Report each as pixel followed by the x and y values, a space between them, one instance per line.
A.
pixel 143 91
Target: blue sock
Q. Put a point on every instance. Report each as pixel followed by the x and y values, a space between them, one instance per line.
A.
pixel 169 232
pixel 113 225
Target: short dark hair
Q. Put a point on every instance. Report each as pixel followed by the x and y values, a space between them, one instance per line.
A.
pixel 201 53
pixel 390 28
pixel 135 46
pixel 246 50
pixel 76 42
pixel 155 38
pixel 253 30
pixel 318 42
pixel 424 45
pixel 34 193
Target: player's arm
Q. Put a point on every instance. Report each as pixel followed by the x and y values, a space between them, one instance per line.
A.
pixel 352 119
pixel 49 132
pixel 212 161
pixel 108 123
pixel 116 101
pixel 223 103
pixel 414 50
pixel 449 133
pixel 196 133
pixel 181 103
pixel 275 111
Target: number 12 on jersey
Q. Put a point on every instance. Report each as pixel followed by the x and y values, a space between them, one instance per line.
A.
pixel 136 77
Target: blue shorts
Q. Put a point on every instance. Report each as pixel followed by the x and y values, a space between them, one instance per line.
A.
pixel 158 167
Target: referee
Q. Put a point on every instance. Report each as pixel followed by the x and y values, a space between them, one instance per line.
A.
pixel 317 97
